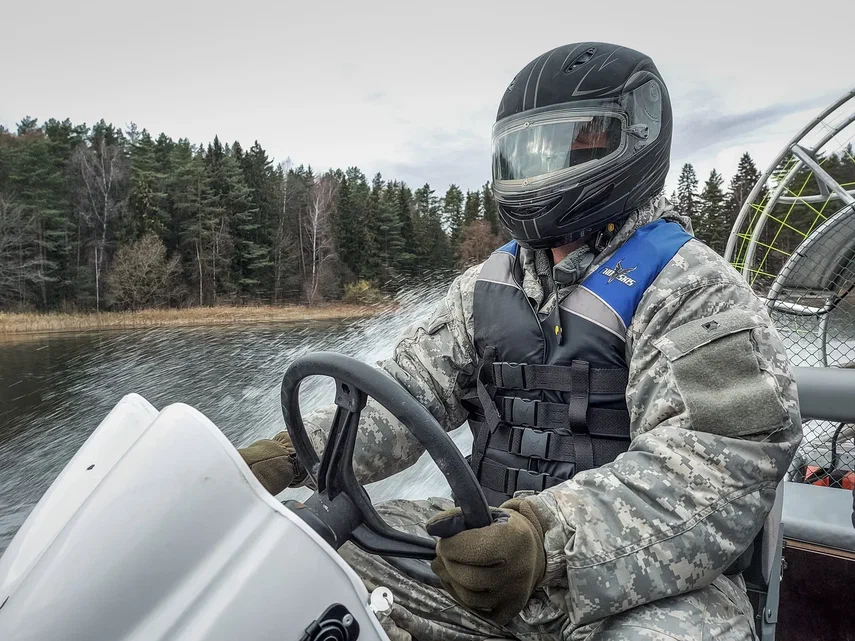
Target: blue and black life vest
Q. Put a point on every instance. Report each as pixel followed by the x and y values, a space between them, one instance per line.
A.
pixel 551 391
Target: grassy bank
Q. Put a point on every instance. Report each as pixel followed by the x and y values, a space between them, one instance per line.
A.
pixel 12 323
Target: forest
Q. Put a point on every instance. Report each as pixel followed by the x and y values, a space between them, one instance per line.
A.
pixel 95 218
pixel 714 210
pixel 104 218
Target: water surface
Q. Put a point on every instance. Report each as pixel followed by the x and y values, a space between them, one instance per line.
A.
pixel 55 389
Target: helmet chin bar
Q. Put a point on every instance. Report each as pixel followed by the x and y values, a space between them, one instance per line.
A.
pixel 592 228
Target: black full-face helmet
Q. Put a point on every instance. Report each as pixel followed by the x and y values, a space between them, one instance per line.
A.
pixel 582 137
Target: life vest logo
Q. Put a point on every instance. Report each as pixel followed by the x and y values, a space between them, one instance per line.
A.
pixel 619 273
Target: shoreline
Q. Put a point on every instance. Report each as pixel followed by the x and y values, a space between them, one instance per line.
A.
pixel 23 324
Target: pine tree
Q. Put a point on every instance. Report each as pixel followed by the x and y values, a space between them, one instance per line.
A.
pixel 710 224
pixel 405 210
pixel 390 240
pixel 472 209
pixel 452 211
pixel 434 249
pixel 237 226
pixel 263 183
pixel 491 212
pixel 189 195
pixel 687 192
pixel 105 133
pixel 61 239
pixel 740 187
pixel 383 234
pixel 147 198
pixel 36 180
pixel 350 228
pixel 28 125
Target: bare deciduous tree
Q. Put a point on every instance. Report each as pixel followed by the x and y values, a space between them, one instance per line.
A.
pixel 141 275
pixel 103 171
pixel 21 262
pixel 477 242
pixel 318 228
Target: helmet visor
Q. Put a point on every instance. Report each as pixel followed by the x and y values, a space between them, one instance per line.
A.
pixel 560 144
pixel 538 152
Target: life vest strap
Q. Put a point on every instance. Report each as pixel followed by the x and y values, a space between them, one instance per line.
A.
pixel 507 480
pixel 558 378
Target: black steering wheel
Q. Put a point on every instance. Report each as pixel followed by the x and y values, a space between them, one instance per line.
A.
pixel 340 510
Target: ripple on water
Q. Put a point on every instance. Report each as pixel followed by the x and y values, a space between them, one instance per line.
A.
pixel 54 391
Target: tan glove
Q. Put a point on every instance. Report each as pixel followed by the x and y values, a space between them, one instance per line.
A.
pixel 492 570
pixel 274 462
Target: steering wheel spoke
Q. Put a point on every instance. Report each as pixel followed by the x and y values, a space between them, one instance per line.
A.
pixel 337 460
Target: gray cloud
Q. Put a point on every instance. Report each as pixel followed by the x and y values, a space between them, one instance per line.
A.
pixel 374 87
pixel 707 128
pixel 442 158
pixel 463 157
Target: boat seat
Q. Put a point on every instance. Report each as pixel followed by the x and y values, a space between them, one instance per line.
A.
pixel 819 515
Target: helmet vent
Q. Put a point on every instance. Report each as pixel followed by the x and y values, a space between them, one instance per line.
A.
pixel 581 60
pixel 526 212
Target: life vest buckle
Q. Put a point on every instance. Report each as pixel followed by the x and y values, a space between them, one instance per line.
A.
pixel 510 375
pixel 529 481
pixel 534 444
pixel 524 412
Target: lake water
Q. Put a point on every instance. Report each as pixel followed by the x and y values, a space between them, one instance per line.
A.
pixel 55 389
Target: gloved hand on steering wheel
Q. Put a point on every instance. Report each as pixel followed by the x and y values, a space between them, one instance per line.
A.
pixel 274 462
pixel 492 570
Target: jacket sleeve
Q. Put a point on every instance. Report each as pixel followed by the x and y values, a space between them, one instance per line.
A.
pixel 434 362
pixel 715 424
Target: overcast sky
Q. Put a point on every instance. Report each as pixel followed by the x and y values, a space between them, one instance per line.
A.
pixel 411 88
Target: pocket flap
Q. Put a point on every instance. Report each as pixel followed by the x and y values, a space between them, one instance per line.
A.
pixel 694 334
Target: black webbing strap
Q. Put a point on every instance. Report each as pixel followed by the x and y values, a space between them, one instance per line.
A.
pixel 558 378
pixel 486 391
pixel 507 480
pixel 537 444
pixel 552 445
pixel 577 411
pixel 543 415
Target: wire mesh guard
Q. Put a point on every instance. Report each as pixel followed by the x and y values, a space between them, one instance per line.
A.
pixel 794 242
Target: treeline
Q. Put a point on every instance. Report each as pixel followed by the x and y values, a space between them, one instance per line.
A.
pixel 95 218
pixel 99 217
pixel 714 210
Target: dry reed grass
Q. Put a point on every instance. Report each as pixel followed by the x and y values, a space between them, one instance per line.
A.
pixel 27 323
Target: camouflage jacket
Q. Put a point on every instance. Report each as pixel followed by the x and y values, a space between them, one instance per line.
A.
pixel 714 422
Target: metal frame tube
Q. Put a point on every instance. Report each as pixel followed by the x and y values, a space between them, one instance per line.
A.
pixel 801 253
pixel 802 154
pixel 823 328
pixel 761 182
pixel 777 195
pixel 811 200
